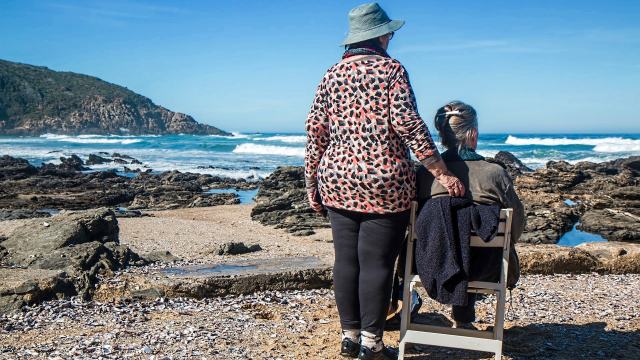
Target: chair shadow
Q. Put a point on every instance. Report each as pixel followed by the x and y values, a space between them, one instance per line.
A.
pixel 541 341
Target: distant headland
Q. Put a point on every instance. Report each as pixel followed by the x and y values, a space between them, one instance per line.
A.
pixel 35 100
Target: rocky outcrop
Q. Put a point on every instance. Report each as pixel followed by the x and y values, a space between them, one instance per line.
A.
pixel 61 257
pixel 36 100
pixel 600 257
pixel 607 194
pixel 282 202
pixel 513 165
pixel 23 186
pixel 15 214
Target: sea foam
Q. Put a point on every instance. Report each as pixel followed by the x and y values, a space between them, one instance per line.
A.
pixel 269 150
pixel 285 138
pixel 608 144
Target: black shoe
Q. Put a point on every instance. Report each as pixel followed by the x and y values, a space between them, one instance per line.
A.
pixel 384 354
pixel 350 349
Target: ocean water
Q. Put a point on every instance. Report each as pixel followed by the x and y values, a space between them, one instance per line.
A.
pixel 257 155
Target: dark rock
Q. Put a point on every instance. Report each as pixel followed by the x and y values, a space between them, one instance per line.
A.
pixel 512 163
pixel 73 162
pixel 97 160
pixel 120 161
pixel 131 171
pixel 63 187
pixel 236 248
pixel 117 155
pixel 307 232
pixel 129 213
pixel 160 256
pixel 15 214
pixel 136 162
pixel 612 224
pixel 206 200
pixel 282 201
pixel 11 167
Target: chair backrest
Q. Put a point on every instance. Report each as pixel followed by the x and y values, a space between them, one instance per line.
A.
pixel 501 240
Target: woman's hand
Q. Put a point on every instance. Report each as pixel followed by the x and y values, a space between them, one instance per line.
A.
pixel 447 179
pixel 452 183
pixel 315 205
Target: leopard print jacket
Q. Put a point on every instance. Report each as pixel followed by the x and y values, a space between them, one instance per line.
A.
pixel 363 120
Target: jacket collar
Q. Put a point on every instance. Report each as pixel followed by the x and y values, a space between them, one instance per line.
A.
pixel 464 154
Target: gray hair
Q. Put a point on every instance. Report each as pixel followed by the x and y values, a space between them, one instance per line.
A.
pixel 455 123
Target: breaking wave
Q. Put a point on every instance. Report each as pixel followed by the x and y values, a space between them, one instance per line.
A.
pixel 269 150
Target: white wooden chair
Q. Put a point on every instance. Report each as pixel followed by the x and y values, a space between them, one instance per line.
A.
pixel 489 341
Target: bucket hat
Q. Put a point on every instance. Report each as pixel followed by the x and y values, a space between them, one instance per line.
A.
pixel 369 21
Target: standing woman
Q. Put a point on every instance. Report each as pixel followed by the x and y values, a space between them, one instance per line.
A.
pixel 362 123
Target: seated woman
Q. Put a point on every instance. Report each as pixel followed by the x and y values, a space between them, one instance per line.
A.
pixel 486 183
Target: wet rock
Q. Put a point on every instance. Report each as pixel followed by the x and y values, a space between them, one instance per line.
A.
pixel 282 201
pixel 117 155
pixel 513 164
pixel 207 200
pixel 73 162
pixel 160 256
pixel 15 214
pixel 236 248
pixel 612 224
pixel 63 187
pixel 13 168
pixel 131 171
pixel 97 160
pixel 120 161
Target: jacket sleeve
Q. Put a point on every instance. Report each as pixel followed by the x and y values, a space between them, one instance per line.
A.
pixel 406 121
pixel 519 219
pixel 317 128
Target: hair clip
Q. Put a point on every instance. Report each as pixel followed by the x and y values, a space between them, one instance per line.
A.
pixel 455 112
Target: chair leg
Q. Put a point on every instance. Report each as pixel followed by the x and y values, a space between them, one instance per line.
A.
pixel 401 349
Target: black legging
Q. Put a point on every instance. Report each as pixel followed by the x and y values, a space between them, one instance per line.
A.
pixel 366 248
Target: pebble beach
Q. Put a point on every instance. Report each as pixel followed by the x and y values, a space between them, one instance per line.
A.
pixel 552 316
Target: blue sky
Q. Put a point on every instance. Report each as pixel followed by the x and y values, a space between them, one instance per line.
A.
pixel 527 67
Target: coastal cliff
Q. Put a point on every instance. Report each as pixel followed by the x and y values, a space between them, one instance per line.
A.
pixel 36 100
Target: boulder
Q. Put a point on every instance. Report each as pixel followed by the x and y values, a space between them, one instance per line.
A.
pixel 160 256
pixel 282 201
pixel 97 160
pixel 62 231
pixel 73 162
pixel 80 244
pixel 21 287
pixel 11 167
pixel 236 248
pixel 513 165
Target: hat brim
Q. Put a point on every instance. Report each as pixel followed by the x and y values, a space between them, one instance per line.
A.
pixel 391 26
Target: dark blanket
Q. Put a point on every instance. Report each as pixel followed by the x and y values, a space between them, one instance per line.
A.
pixel 443 251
